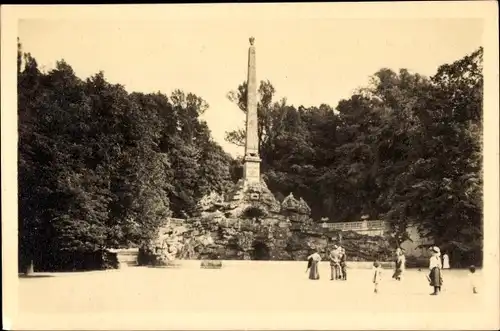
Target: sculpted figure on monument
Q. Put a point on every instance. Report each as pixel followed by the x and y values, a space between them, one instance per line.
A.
pixel 254 187
pixel 290 203
pixel 304 207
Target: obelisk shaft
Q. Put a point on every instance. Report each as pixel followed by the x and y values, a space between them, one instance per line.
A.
pixel 252 159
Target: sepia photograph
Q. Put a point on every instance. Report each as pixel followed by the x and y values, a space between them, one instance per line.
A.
pixel 311 166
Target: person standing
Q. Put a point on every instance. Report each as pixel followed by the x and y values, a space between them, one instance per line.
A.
pixel 473 279
pixel 446 261
pixel 313 263
pixel 343 263
pixel 400 264
pixel 377 275
pixel 435 277
pixel 335 270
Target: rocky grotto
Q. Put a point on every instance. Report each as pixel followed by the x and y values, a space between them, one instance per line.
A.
pixel 283 232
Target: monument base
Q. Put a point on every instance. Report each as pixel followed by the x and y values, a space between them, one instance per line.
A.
pixel 251 169
pixel 251 194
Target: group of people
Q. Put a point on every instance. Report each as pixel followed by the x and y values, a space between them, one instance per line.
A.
pixel 435 277
pixel 338 266
pixel 338 270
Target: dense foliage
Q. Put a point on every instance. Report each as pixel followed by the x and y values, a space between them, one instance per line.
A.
pixel 100 167
pixel 406 148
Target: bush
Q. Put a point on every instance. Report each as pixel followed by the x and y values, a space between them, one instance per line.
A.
pixel 146 257
pixel 109 260
pixel 77 261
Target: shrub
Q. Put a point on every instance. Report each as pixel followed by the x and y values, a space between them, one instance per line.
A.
pixel 109 260
pixel 146 257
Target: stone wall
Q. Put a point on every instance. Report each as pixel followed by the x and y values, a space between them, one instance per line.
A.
pixel 278 238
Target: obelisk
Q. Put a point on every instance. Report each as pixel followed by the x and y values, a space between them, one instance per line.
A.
pixel 251 160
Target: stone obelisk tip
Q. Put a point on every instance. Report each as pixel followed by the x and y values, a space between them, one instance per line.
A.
pixel 252 40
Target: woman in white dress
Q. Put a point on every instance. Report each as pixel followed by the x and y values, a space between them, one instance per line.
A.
pixel 446 261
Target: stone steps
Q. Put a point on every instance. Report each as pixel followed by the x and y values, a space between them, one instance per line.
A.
pixel 127 257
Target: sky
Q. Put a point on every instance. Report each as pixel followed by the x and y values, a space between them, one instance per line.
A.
pixel 309 61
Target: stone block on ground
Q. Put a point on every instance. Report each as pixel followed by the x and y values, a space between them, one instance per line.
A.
pixel 211 264
pixel 169 264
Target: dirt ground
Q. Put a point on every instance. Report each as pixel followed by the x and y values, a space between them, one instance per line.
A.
pixel 249 295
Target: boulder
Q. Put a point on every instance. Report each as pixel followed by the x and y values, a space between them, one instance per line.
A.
pixel 210 202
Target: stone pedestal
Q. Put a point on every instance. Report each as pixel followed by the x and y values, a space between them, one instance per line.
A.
pixel 251 169
pixel 254 194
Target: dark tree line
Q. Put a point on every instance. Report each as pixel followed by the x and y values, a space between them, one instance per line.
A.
pixel 100 168
pixel 406 148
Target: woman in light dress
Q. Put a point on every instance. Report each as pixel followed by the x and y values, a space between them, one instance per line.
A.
pixel 312 265
pixel 446 261
pixel 400 264
pixel 435 278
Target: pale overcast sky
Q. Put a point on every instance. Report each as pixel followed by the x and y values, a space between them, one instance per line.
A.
pixel 309 61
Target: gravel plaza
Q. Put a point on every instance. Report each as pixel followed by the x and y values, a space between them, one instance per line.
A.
pixel 244 294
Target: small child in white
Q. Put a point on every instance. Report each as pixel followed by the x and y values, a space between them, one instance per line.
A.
pixel 473 279
pixel 377 275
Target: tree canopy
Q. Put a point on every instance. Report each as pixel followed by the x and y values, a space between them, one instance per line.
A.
pixel 100 167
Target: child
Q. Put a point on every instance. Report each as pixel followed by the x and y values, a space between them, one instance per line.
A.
pixel 377 275
pixel 473 278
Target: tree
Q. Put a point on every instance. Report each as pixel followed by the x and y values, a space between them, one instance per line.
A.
pixel 100 168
